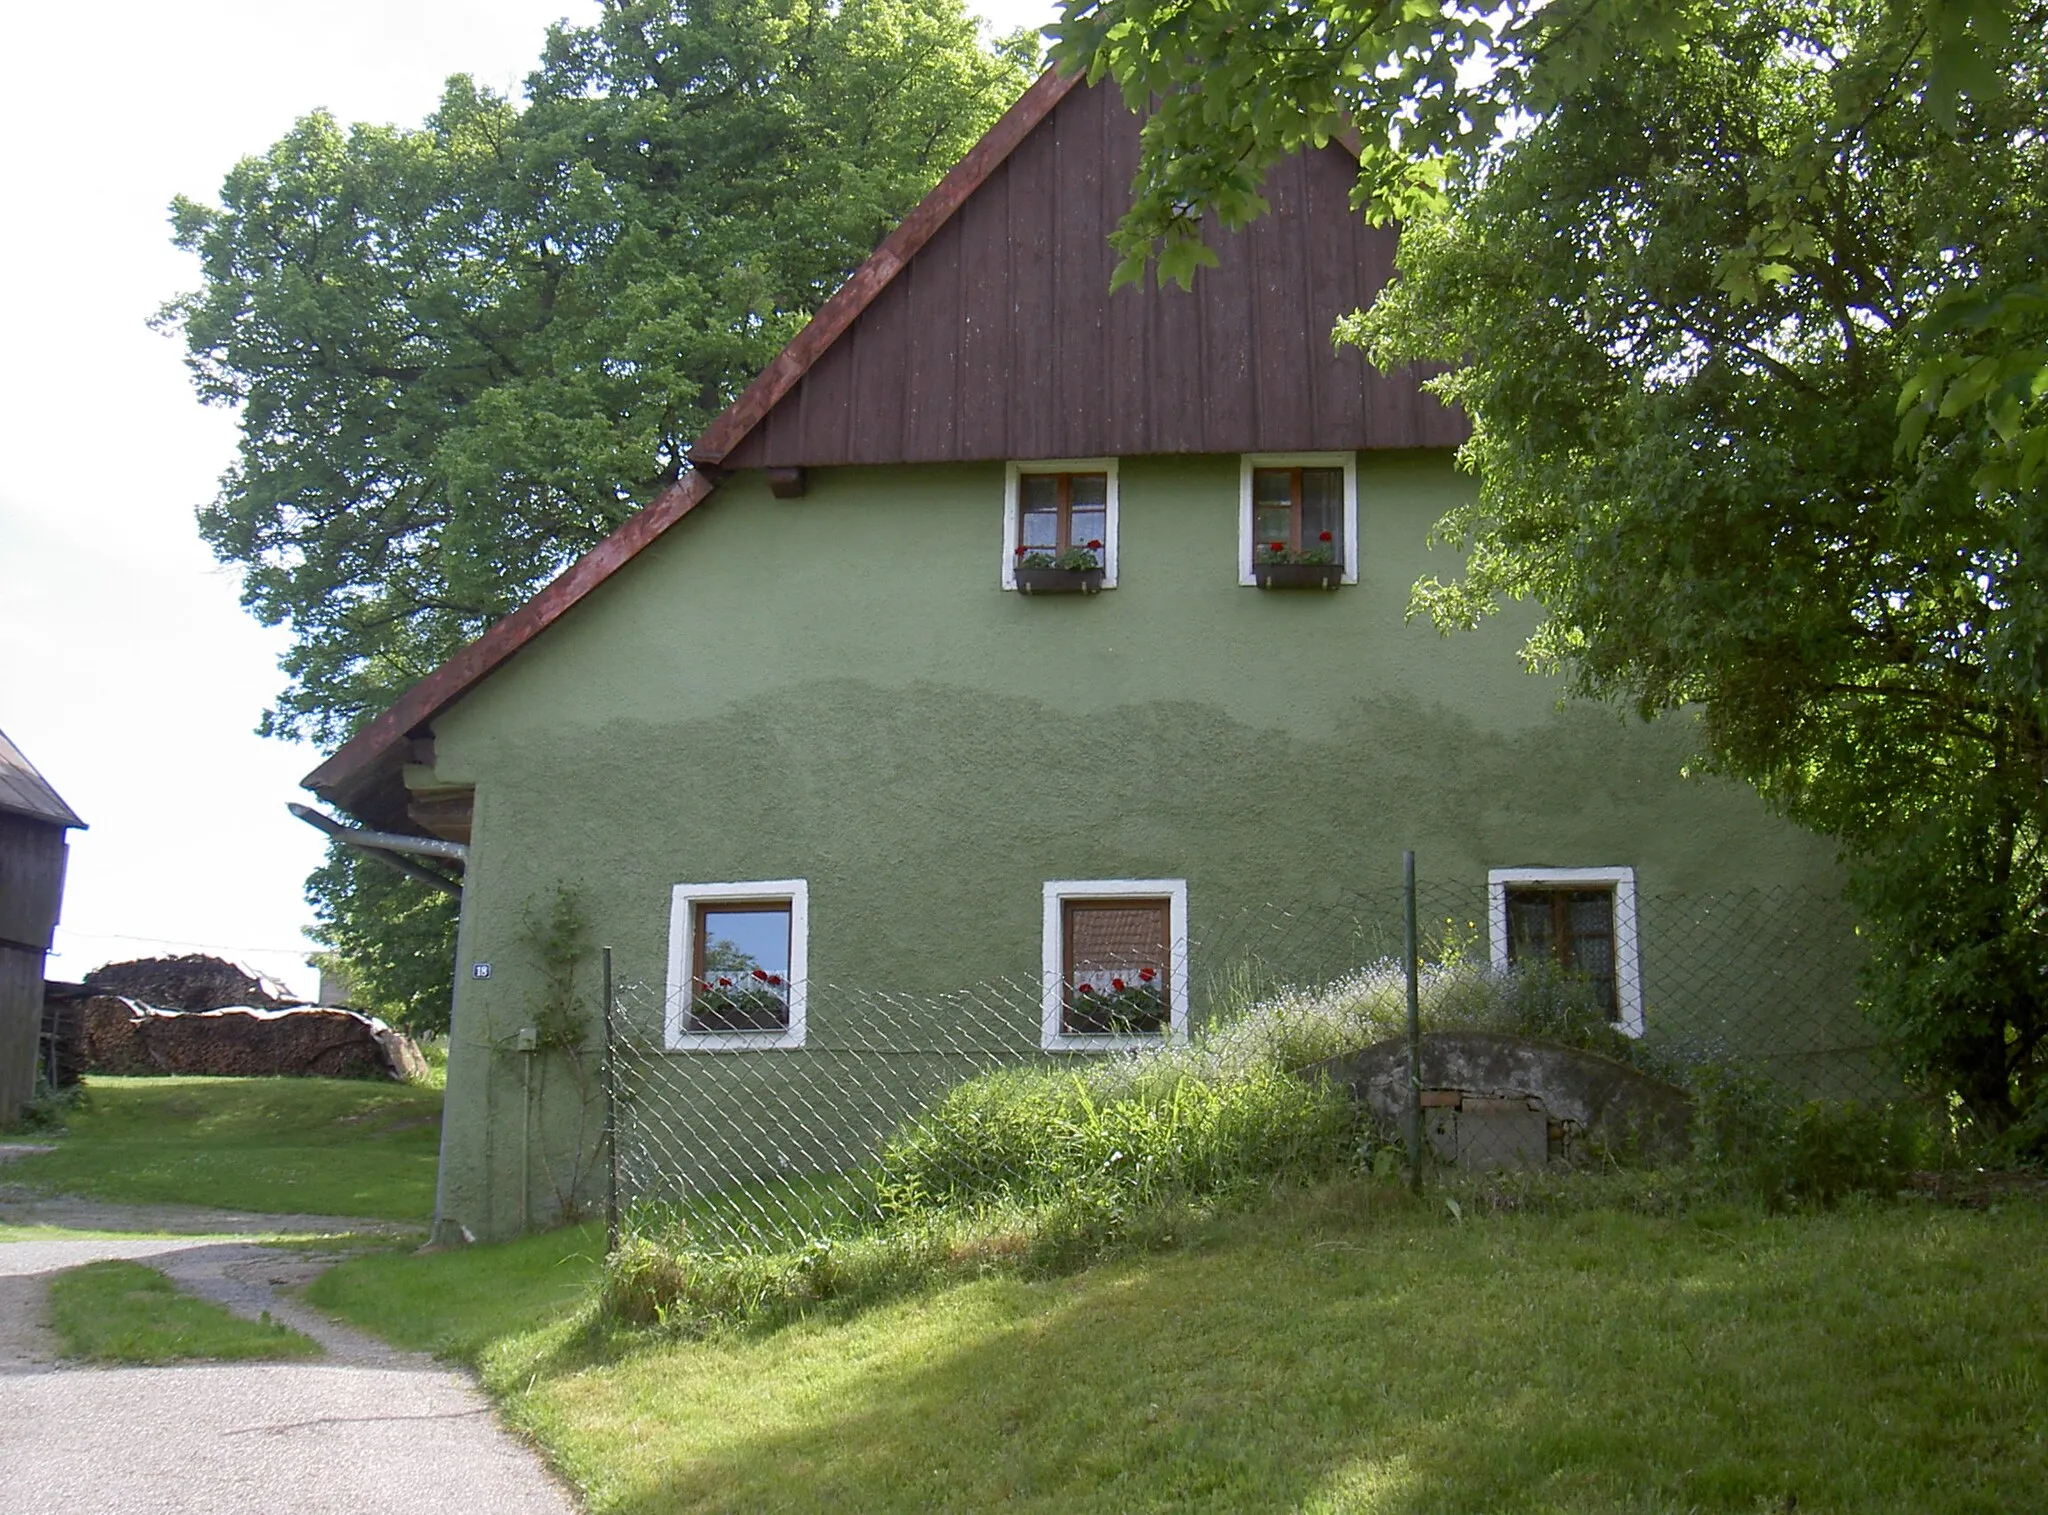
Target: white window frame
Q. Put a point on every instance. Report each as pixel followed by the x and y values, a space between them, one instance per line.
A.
pixel 1014 471
pixel 1348 461
pixel 1628 974
pixel 682 924
pixel 1054 969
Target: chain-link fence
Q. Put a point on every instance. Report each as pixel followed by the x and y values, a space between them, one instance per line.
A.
pixel 749 1110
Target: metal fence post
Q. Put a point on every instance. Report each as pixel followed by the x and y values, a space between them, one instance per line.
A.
pixel 1409 962
pixel 611 1115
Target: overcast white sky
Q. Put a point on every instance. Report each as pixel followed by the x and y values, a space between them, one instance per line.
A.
pixel 128 672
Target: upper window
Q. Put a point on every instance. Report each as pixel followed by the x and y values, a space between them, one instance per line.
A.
pixel 1060 519
pixel 737 961
pixel 1298 511
pixel 1115 962
pixel 1582 921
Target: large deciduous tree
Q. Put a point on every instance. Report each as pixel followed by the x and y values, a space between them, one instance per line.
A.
pixel 464 352
pixel 1744 304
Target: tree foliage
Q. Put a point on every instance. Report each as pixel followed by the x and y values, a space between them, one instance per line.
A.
pixel 392 937
pixel 464 352
pixel 1744 305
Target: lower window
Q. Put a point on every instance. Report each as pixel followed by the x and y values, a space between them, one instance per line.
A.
pixel 1580 921
pixel 737 960
pixel 1115 963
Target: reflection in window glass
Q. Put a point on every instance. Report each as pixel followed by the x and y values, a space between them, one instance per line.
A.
pixel 1322 508
pixel 1038 525
pixel 740 978
pixel 1298 514
pixel 1570 928
pixel 1116 967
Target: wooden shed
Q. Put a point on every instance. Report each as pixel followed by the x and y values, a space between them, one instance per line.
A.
pixel 33 820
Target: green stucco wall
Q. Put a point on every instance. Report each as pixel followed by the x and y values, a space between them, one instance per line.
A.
pixel 835 688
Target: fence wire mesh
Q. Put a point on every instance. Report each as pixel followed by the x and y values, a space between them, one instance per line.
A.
pixel 734 1141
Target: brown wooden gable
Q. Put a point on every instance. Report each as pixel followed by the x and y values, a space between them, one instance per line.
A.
pixel 998 338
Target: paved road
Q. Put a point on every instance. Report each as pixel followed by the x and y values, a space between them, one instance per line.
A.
pixel 363 1431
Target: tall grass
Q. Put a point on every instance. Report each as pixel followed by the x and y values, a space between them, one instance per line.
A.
pixel 1053 1166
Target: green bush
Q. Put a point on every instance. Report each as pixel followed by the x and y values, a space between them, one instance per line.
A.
pixel 1819 1151
pixel 1143 1128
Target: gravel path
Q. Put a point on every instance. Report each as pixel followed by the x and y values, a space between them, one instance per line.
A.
pixel 366 1430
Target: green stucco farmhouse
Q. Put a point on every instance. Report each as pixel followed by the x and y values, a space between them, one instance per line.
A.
pixel 1008 630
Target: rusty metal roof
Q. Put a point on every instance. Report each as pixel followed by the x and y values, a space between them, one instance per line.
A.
pixel 23 791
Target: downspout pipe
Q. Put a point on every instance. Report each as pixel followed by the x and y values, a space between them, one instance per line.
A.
pixel 387 846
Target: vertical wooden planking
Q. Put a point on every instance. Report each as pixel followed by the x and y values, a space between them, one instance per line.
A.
pixel 983 228
pixel 1389 416
pixel 1283 307
pixel 1080 317
pixel 21 1024
pixel 827 392
pixel 1128 369
pixel 1228 396
pixel 931 388
pixel 1000 339
pixel 1330 235
pixel 1034 200
pixel 879 381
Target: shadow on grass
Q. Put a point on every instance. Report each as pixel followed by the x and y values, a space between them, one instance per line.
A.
pixel 1879 1360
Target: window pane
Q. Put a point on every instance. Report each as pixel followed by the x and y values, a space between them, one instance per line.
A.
pixel 1116 967
pixel 1089 491
pixel 1585 949
pixel 1272 523
pixel 741 975
pixel 1273 487
pixel 1529 933
pixel 1038 523
pixel 1322 509
pixel 1089 526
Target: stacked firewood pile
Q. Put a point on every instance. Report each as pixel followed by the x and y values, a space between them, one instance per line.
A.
pixel 198 1014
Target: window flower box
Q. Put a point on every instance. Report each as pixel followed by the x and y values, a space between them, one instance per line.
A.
pixel 1276 565
pixel 1074 570
pixel 1297 575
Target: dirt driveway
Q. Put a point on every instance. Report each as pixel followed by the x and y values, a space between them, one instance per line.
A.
pixel 366 1430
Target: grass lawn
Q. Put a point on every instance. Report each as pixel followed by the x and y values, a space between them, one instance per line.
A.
pixel 293 1145
pixel 124 1312
pixel 1347 1350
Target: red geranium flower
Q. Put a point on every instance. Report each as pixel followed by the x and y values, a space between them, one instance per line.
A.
pixel 775 978
pixel 1117 984
pixel 1276 546
pixel 1146 975
pixel 761 974
pixel 1021 550
pixel 1096 545
pixel 1086 988
pixel 1323 537
pixel 725 983
pixel 707 985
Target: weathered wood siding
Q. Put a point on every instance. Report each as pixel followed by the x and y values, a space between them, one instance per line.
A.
pixel 31 880
pixel 32 855
pixel 21 1022
pixel 1000 338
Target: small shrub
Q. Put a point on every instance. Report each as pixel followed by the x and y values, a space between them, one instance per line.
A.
pixel 1819 1151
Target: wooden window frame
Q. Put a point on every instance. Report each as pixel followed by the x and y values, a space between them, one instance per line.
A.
pixel 685 954
pixel 1628 978
pixel 1013 474
pixel 1053 1037
pixel 1253 462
